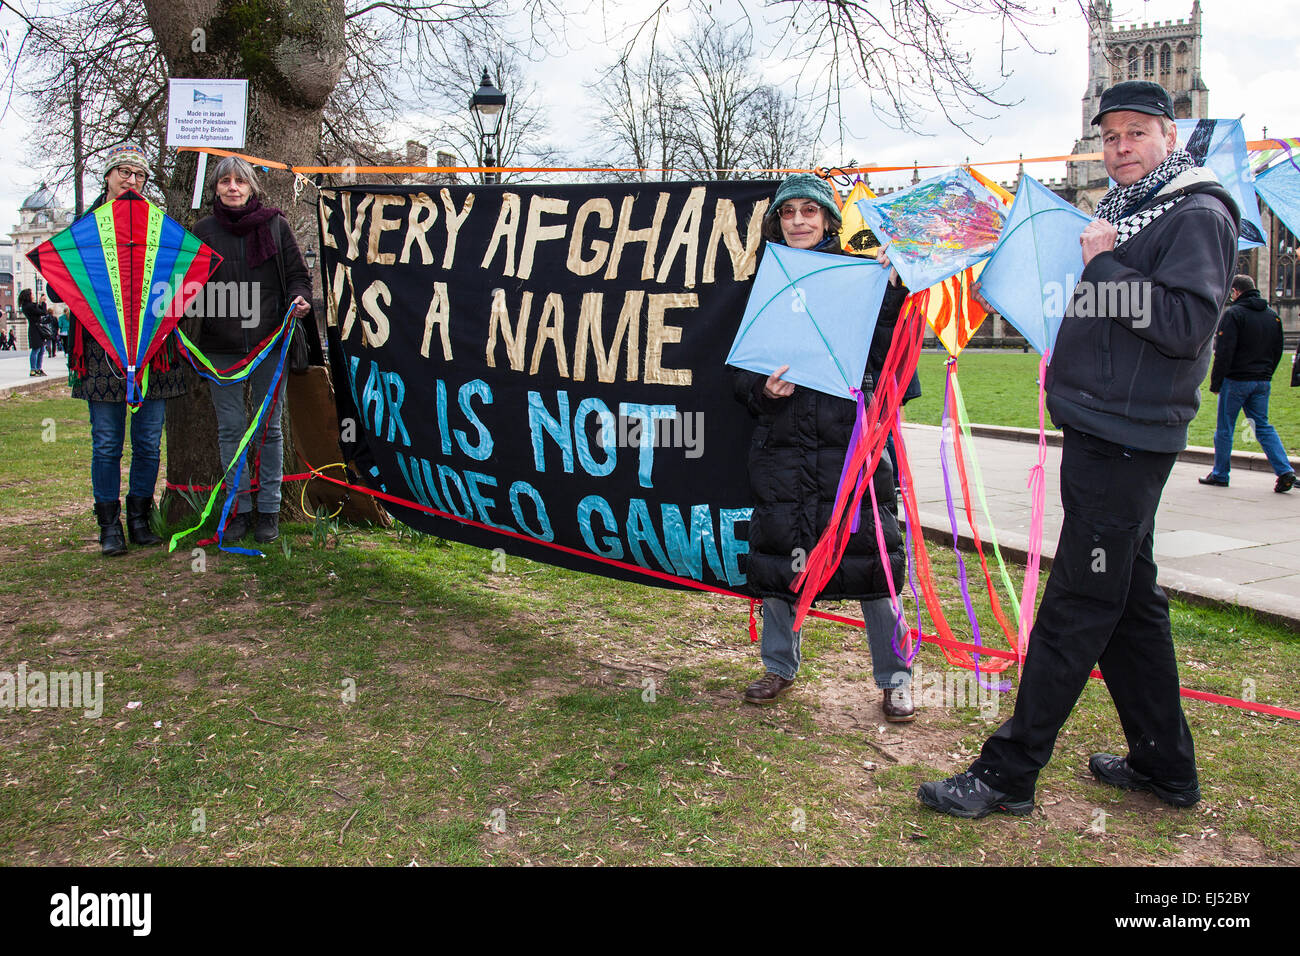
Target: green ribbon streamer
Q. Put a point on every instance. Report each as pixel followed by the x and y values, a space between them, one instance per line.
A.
pixel 1012 597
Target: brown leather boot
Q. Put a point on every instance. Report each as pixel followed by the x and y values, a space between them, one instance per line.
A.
pixel 897 705
pixel 767 689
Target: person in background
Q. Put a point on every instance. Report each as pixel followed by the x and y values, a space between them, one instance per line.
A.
pixel 65 325
pixel 103 386
pixel 258 248
pixel 797 452
pixel 35 331
pixel 1247 351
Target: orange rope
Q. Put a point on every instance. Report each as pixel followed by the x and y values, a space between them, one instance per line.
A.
pixel 1254 144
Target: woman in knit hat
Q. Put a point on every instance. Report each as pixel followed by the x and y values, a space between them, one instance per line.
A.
pixel 796 456
pixel 103 386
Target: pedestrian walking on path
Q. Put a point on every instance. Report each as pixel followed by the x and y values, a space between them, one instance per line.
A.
pixel 1247 350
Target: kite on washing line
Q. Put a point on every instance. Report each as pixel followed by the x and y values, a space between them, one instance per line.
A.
pixel 814 312
pixel 1033 271
pixel 127 271
pixel 937 228
pixel 1220 146
pixel 1280 188
pixel 855 234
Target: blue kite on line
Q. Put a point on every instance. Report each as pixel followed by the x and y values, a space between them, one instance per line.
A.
pixel 1037 263
pixel 1280 188
pixel 814 312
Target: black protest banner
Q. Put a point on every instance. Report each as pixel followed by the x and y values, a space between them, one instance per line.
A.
pixel 549 360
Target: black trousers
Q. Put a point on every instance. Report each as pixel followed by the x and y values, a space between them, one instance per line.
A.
pixel 1102 605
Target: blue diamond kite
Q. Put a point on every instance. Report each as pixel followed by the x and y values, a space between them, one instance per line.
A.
pixel 814 312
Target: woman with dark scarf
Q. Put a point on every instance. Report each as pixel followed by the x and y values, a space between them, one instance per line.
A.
pixel 261 275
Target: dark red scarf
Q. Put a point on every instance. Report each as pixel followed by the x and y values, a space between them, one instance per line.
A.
pixel 253 222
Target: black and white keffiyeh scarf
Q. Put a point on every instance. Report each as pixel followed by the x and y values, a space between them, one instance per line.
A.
pixel 1118 204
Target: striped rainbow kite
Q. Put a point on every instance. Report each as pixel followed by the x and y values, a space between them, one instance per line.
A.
pixel 127 271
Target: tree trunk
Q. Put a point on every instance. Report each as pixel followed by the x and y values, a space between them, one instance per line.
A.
pixel 292 54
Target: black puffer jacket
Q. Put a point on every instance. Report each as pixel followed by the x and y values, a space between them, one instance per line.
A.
pixel 795 459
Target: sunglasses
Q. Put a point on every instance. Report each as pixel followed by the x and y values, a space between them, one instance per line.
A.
pixel 808 211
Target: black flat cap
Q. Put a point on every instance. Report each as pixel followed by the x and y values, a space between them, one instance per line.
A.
pixel 1140 96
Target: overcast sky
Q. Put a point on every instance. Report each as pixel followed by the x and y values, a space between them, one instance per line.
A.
pixel 1250 62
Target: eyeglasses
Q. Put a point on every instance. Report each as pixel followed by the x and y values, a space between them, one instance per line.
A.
pixel 126 172
pixel 808 211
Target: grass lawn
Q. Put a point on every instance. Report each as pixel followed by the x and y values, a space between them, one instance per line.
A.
pixel 382 697
pixel 1000 388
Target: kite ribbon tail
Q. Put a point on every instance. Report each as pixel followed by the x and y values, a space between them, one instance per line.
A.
pixel 1037 494
pixel 962 438
pixel 859 428
pixel 895 605
pixel 239 459
pixel 908 547
pixel 962 578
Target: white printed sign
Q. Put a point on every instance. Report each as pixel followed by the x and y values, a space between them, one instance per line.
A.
pixel 207 113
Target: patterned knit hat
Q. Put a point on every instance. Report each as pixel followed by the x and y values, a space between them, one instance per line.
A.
pixel 127 154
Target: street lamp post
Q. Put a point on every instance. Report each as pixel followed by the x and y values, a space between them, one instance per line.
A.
pixel 488 106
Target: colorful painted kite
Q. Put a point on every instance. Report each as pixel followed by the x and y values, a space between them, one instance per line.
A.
pixel 1280 188
pixel 814 312
pixel 1031 275
pixel 127 271
pixel 937 228
pixel 1220 146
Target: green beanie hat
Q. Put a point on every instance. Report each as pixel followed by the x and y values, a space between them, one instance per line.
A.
pixel 808 186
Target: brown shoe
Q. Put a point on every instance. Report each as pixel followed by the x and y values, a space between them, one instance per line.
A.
pixel 897 705
pixel 767 689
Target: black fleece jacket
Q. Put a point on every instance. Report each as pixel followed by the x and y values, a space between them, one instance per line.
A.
pixel 1135 343
pixel 1248 345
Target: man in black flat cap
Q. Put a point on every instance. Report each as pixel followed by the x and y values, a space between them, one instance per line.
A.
pixel 1123 385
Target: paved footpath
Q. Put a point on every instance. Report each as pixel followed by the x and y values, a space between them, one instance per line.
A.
pixel 1238 544
pixel 15 369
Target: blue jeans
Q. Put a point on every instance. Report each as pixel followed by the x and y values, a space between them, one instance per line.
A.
pixel 38 357
pixel 1251 397
pixel 107 431
pixel 781 642
pixel 232 422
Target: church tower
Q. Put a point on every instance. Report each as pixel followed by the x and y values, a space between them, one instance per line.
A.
pixel 1167 53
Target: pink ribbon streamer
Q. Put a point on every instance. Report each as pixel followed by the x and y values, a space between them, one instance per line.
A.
pixel 1038 496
